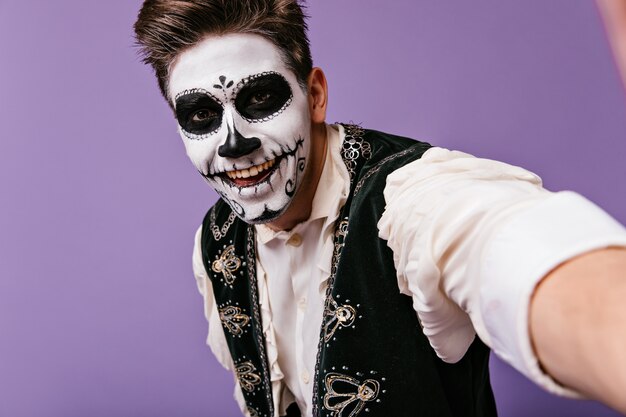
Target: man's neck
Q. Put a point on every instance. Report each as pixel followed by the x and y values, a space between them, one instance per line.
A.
pixel 300 208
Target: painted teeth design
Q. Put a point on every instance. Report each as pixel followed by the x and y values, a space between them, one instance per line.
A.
pixel 251 172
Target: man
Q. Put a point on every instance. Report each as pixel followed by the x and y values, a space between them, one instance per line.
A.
pixel 347 272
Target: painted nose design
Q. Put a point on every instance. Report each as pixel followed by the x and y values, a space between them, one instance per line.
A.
pixel 237 146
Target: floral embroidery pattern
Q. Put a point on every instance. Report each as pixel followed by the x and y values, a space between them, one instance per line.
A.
pixel 346 396
pixel 227 264
pixel 246 376
pixel 336 315
pixel 233 319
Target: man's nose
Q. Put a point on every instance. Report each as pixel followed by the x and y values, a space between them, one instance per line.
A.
pixel 236 145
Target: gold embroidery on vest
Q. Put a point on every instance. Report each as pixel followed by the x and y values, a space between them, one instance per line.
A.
pixel 380 164
pixel 246 376
pixel 353 147
pixel 234 319
pixel 346 396
pixel 227 264
pixel 219 233
pixel 336 315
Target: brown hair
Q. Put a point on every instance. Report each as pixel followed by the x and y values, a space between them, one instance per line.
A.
pixel 165 28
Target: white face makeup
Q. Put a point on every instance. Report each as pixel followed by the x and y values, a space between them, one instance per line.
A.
pixel 245 122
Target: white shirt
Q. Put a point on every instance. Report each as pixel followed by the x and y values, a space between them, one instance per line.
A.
pixel 471 239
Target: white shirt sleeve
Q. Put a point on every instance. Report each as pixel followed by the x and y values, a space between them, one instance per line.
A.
pixel 472 238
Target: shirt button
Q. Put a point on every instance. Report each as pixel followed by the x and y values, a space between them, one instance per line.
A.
pixel 295 240
pixel 302 303
pixel 305 377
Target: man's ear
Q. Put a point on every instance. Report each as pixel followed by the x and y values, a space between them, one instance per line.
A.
pixel 318 95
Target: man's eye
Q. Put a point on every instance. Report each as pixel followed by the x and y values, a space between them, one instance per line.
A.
pixel 202 116
pixel 260 98
pixel 198 112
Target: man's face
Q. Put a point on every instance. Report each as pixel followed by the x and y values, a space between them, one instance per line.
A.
pixel 245 122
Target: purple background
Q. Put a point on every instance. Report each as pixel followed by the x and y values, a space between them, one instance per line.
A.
pixel 99 314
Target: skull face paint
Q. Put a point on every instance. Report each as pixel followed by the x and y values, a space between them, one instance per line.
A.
pixel 245 122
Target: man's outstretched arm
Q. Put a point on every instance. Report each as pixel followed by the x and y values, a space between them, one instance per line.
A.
pixel 578 311
pixel 578 325
pixel 485 238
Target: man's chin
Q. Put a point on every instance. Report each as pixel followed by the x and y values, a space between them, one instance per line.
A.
pixel 267 216
pixel 258 208
pixel 261 214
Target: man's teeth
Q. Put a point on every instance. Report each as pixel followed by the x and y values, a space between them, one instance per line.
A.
pixel 250 172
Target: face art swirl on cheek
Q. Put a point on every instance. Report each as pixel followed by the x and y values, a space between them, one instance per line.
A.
pixel 247 132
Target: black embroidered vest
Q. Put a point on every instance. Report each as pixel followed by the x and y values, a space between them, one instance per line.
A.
pixel 373 359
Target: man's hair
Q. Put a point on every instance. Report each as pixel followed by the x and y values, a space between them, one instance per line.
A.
pixel 165 28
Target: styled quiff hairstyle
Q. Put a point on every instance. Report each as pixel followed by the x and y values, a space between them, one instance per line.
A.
pixel 165 28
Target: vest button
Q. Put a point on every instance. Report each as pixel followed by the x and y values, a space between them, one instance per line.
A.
pixel 295 240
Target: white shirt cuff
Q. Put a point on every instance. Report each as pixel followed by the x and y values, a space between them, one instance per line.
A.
pixel 524 251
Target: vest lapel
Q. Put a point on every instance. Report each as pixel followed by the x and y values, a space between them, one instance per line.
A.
pixel 232 269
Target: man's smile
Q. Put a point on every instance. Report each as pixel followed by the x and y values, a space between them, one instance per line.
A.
pixel 256 174
pixel 252 175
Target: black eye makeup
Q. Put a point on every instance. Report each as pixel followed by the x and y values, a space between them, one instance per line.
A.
pixel 263 96
pixel 198 113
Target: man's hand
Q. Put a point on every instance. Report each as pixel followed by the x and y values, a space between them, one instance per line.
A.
pixel 578 325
